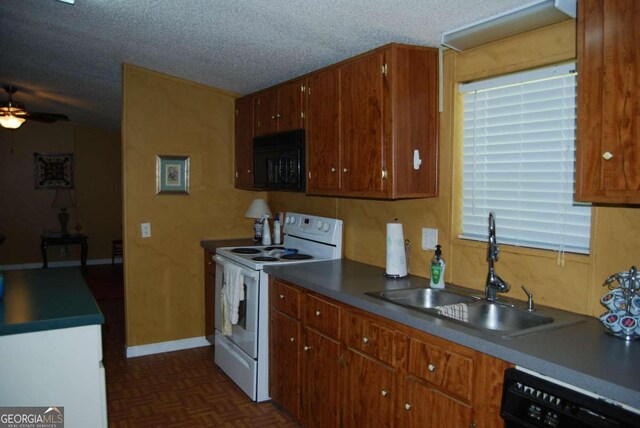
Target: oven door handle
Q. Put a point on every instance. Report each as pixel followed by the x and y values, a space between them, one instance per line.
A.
pixel 247 273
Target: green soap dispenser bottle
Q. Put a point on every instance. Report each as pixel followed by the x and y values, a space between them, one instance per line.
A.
pixel 437 269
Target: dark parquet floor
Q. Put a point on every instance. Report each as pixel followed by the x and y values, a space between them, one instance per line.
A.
pixel 173 389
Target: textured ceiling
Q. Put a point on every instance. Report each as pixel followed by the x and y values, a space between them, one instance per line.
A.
pixel 68 58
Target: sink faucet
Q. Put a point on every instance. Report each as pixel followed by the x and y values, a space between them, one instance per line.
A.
pixel 494 282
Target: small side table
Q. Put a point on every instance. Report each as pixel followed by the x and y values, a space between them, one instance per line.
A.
pixel 49 238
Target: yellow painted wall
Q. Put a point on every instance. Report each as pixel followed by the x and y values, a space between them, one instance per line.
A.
pixel 164 115
pixel 574 286
pixel 26 212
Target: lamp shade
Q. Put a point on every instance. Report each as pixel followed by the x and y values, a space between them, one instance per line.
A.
pixel 63 199
pixel 10 121
pixel 258 209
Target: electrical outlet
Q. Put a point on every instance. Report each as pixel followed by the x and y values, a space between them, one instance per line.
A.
pixel 146 230
pixel 429 238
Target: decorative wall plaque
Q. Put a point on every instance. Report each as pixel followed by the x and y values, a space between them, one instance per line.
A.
pixel 53 170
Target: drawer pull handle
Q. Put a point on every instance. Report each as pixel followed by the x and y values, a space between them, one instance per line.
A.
pixel 365 340
pixel 407 406
pixel 293 339
pixel 306 348
pixel 431 367
pixel 384 392
pixel 282 296
pixel 333 170
pixel 317 313
pixel 607 156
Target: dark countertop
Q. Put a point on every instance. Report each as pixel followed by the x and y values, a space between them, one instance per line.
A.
pixel 581 354
pixel 46 299
pixel 212 244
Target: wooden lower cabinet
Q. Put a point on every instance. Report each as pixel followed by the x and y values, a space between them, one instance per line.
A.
pixel 424 406
pixel 284 362
pixel 333 365
pixel 209 296
pixel 321 380
pixel 369 392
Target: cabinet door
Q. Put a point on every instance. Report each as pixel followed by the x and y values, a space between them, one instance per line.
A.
pixel 323 132
pixel 209 296
pixel 321 390
pixel 284 362
pixel 363 156
pixel 290 105
pixel 608 145
pixel 426 407
pixel 265 110
pixel 244 142
pixel 368 392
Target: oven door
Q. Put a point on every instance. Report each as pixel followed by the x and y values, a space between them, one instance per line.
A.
pixel 244 334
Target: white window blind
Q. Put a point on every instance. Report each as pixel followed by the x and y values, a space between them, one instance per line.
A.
pixel 518 160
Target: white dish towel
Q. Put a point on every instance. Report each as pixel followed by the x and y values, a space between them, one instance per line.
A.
pixel 232 295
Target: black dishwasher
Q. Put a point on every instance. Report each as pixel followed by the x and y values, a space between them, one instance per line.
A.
pixel 529 401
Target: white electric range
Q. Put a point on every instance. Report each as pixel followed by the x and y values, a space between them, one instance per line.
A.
pixel 244 355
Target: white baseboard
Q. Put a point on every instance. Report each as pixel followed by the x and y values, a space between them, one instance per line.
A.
pixel 172 345
pixel 65 263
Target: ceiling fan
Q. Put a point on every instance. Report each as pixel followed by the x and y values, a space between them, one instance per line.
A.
pixel 13 113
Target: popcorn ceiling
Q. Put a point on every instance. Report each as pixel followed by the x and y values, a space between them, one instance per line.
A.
pixel 68 58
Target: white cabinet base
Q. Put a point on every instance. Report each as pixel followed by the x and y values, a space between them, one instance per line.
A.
pixel 60 367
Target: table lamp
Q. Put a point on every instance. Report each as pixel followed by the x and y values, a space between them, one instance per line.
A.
pixel 63 200
pixel 257 211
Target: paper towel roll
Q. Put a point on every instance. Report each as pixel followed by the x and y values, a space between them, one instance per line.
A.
pixel 396 260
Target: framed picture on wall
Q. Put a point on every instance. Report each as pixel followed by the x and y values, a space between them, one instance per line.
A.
pixel 53 170
pixel 172 175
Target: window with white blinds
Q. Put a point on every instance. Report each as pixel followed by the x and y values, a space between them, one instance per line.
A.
pixel 518 160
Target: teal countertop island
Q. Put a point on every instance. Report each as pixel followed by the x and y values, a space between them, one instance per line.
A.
pixel 46 299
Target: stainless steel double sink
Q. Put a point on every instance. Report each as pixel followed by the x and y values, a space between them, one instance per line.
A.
pixel 504 318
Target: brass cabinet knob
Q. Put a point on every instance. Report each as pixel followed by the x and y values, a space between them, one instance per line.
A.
pixel 407 406
pixel 607 156
pixel 345 170
pixel 317 313
pixel 431 367
pixel 293 339
pixel 333 169
pixel 282 296
pixel 365 340
pixel 306 348
pixel 384 392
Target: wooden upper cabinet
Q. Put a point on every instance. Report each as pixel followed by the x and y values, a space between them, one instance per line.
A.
pixel 608 137
pixel 386 106
pixel 280 108
pixel 323 132
pixel 244 142
pixel 363 154
pixel 291 97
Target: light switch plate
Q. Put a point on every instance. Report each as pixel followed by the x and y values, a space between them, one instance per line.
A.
pixel 429 238
pixel 146 230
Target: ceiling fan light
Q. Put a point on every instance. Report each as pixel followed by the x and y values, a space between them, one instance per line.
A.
pixel 11 121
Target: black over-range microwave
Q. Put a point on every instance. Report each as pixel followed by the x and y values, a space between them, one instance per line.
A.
pixel 278 161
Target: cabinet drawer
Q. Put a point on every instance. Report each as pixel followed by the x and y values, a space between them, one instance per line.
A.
pixel 286 299
pixel 209 264
pixel 322 316
pixel 451 370
pixel 370 337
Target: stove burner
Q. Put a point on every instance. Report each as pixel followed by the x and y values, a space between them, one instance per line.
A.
pixel 245 251
pixel 296 256
pixel 272 248
pixel 264 259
